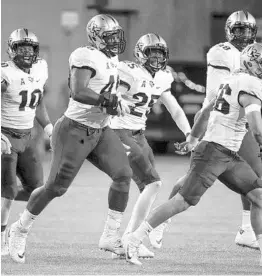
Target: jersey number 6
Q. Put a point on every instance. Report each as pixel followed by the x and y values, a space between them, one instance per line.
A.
pixel 221 104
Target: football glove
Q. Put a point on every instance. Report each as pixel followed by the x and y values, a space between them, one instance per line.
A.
pixel 5 145
pixel 110 103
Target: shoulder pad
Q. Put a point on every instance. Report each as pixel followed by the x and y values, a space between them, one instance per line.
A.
pixel 167 75
pixel 251 85
pixel 85 56
pixel 130 64
pixel 41 61
pixel 127 67
pixel 217 55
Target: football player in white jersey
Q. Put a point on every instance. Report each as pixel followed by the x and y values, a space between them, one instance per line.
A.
pixel 83 133
pixel 239 101
pixel 141 85
pixel 222 59
pixel 22 85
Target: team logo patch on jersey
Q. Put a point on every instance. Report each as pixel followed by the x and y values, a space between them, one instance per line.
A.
pixel 253 54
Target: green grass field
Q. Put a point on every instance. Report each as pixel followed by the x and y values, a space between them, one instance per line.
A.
pixel 64 239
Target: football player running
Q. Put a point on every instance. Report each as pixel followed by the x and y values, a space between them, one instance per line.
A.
pixel 223 59
pixel 239 101
pixel 141 85
pixel 22 85
pixel 83 133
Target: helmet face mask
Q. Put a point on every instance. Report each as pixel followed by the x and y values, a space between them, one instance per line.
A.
pixel 241 29
pixel 152 52
pixel 156 58
pixel 106 35
pixel 115 42
pixel 25 54
pixel 251 59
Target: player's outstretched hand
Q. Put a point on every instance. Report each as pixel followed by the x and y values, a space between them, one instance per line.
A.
pixel 5 145
pixel 183 148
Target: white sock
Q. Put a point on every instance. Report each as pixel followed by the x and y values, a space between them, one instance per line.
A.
pixel 5 210
pixel 143 230
pixel 3 237
pixel 246 218
pixel 143 206
pixel 27 219
pixel 259 240
pixel 113 220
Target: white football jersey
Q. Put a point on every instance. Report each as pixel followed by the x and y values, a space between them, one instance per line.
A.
pixel 222 59
pixel 143 91
pixel 24 92
pixel 104 79
pixel 227 122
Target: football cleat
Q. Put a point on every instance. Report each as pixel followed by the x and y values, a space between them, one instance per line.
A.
pixel 156 235
pixel 131 247
pixel 17 242
pixel 4 244
pixel 111 241
pixel 143 253
pixel 246 237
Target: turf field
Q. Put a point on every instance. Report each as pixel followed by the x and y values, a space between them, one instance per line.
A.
pixel 64 240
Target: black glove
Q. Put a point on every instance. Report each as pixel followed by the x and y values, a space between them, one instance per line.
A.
pixel 110 102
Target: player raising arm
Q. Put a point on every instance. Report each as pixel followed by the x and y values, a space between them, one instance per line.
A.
pixel 239 102
pixel 223 59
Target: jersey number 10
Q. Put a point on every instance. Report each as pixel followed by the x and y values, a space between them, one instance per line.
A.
pixel 221 104
pixel 36 96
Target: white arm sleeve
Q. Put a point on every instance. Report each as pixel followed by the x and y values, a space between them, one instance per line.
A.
pixel 176 112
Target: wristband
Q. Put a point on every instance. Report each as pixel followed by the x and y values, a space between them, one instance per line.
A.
pixel 192 140
pixel 48 129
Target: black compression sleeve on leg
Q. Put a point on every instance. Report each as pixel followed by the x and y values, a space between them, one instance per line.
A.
pixel 117 200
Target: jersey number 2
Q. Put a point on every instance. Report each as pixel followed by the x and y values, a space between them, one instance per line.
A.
pixel 144 99
pixel 221 104
pixel 35 99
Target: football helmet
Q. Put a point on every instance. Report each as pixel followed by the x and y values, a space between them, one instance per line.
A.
pixel 152 52
pixel 23 48
pixel 251 59
pixel 106 35
pixel 241 29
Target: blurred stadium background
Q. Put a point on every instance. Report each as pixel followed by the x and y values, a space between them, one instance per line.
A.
pixel 189 27
pixel 65 238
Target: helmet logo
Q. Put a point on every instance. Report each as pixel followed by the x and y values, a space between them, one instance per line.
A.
pixel 94 28
pixel 139 46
